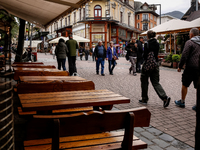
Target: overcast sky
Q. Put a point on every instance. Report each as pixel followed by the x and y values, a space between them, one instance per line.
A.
pixel 170 5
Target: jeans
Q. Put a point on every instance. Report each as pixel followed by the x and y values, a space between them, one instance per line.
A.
pixel 138 64
pixel 154 78
pixel 133 63
pixel 111 65
pixel 61 62
pixel 98 62
pixel 72 64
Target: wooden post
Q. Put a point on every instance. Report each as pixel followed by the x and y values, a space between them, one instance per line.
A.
pixel 90 34
pixel 174 43
pixel 117 38
pixel 197 133
pixel 20 41
pixel 85 30
pixel 106 25
pixel 170 43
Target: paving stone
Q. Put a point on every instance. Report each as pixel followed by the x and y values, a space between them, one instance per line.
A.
pixel 136 134
pixel 138 129
pixel 155 148
pixel 146 149
pixel 166 137
pixel 154 131
pixel 171 148
pixel 179 144
pixel 148 135
pixel 145 140
pixel 161 143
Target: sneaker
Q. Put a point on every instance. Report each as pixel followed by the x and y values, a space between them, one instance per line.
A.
pixel 179 103
pixel 143 101
pixel 166 102
pixel 103 74
pixel 194 107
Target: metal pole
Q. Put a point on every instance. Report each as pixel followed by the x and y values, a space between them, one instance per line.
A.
pixel 160 13
pixel 31 34
pixel 197 5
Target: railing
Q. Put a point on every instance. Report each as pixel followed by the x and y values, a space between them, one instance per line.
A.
pixel 145 20
pixel 98 18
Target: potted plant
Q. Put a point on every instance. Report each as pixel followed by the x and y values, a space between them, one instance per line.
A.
pixel 167 61
pixel 175 58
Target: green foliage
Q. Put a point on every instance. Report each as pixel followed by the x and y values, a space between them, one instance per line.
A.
pixel 176 58
pixel 168 58
pixel 179 40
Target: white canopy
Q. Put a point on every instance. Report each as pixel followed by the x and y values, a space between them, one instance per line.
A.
pixel 75 37
pixel 34 43
pixel 39 12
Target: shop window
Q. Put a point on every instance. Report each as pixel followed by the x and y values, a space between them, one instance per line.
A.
pixel 97 11
pixel 113 32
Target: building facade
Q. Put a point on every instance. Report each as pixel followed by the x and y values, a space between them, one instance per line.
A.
pixel 145 16
pixel 165 18
pixel 96 20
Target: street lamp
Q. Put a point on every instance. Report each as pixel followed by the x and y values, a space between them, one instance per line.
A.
pixel 153 5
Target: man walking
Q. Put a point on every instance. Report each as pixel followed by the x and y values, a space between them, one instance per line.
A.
pixel 100 55
pixel 190 57
pixel 92 50
pixel 139 54
pixel 72 46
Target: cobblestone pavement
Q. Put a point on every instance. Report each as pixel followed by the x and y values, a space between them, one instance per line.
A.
pixel 171 128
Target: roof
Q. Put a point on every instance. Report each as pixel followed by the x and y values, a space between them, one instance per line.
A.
pixel 178 26
pixel 194 15
pixel 162 16
pixel 39 12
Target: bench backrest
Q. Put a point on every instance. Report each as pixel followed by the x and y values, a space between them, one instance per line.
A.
pixel 39 73
pixel 54 86
pixel 28 63
pixel 40 127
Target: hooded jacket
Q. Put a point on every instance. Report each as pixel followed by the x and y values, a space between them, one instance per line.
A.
pixel 61 51
pixel 151 46
pixel 191 53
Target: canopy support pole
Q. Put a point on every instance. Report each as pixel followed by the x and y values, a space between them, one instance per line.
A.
pixel 174 43
pixel 20 46
pixel 170 43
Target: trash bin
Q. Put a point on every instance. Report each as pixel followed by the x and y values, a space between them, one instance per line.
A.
pixel 35 54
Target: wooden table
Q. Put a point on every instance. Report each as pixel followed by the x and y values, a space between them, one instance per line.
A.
pixel 49 78
pixel 43 102
pixel 28 63
pixel 32 66
pixel 33 69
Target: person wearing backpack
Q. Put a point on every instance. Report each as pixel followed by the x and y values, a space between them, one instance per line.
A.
pixel 151 49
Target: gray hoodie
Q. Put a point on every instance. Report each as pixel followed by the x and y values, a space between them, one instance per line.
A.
pixel 191 53
pixel 61 51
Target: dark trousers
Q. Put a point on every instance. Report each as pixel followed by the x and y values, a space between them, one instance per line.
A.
pixel 29 56
pixel 154 78
pixel 61 62
pixel 138 65
pixel 81 56
pixel 86 56
pixel 93 56
pixel 72 64
pixel 98 62
pixel 111 65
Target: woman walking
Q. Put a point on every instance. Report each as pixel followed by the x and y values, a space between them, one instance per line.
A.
pixel 61 54
pixel 87 51
pixel 53 48
pixel 111 56
pixel 152 47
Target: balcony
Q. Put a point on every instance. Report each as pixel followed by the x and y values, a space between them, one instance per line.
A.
pixel 85 19
pixel 145 20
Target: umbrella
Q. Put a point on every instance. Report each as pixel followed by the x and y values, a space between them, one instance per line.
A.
pixel 58 38
pixel 75 37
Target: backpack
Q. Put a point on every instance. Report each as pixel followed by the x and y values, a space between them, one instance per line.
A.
pixel 150 64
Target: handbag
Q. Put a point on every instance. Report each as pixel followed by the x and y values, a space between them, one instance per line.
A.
pixel 150 64
pixel 115 57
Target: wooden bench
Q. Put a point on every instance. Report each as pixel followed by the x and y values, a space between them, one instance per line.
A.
pixel 28 63
pixel 87 131
pixel 39 72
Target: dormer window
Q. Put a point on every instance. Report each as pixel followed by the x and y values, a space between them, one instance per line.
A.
pixel 145 7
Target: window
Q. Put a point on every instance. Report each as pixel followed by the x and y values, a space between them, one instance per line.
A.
pixel 65 21
pixel 155 18
pixel 145 17
pixel 61 23
pixel 83 12
pixel 74 17
pixel 151 25
pixel 126 1
pixel 129 17
pixel 151 17
pixel 121 16
pixel 138 25
pixel 80 14
pixel 97 11
pixel 138 17
pixel 68 20
pixel 145 26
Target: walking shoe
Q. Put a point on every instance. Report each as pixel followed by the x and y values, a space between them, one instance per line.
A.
pixel 143 101
pixel 130 71
pixel 180 104
pixel 135 74
pixel 103 74
pixel 166 102
pixel 111 73
pixel 194 107
pixel 97 73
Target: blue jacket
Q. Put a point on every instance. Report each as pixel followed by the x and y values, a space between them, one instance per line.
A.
pixel 109 53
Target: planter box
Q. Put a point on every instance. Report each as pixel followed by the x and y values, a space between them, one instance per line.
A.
pixel 175 65
pixel 166 64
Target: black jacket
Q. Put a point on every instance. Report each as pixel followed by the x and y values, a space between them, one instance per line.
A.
pixel 140 50
pixel 96 52
pixel 61 51
pixel 131 49
pixel 151 46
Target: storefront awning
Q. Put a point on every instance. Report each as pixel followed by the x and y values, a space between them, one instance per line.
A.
pixel 39 12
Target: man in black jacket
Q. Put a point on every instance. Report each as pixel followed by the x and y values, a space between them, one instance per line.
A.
pixel 139 54
pixel 100 55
